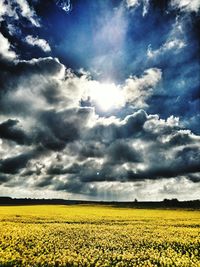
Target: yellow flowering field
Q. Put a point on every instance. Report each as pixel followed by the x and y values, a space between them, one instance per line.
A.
pixel 86 235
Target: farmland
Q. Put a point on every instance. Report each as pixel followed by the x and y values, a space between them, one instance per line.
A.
pixel 97 235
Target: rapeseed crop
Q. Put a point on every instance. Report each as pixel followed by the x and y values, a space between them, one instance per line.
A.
pixel 103 236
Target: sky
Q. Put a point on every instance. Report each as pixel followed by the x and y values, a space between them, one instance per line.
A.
pixel 99 100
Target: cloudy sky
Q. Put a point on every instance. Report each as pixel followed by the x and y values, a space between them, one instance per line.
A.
pixel 100 99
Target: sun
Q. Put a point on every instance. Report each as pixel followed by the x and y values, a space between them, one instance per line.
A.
pixel 106 96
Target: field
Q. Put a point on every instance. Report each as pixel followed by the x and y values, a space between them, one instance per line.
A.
pixel 84 235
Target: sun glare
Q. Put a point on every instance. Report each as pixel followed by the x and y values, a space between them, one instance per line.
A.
pixel 106 96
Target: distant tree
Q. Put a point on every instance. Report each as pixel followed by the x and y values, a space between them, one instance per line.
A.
pixel 174 201
pixel 165 200
pixel 171 202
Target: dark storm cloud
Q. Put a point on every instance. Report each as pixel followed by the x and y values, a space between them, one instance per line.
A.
pixel 157 158
pixel 195 177
pixel 70 185
pixel 131 126
pixel 174 169
pixel 59 169
pixel 4 178
pixel 91 150
pixel 189 159
pixel 8 130
pixel 59 128
pixel 136 125
pixel 22 82
pixel 56 170
pixel 44 181
pixel 77 187
pixel 185 162
pixel 121 152
pixel 181 138
pixel 13 72
pixel 14 164
pixel 53 129
pixel 56 130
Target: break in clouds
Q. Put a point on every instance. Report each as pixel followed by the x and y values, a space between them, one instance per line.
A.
pixel 69 130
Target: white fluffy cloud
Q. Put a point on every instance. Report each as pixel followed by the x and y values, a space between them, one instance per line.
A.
pixel 175 41
pixel 41 43
pixel 132 3
pixel 6 9
pixel 145 7
pixel 136 3
pixel 108 96
pixel 15 10
pixel 27 12
pixel 6 50
pixel 186 5
pixel 11 10
pixel 138 90
pixel 65 5
pixel 174 44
